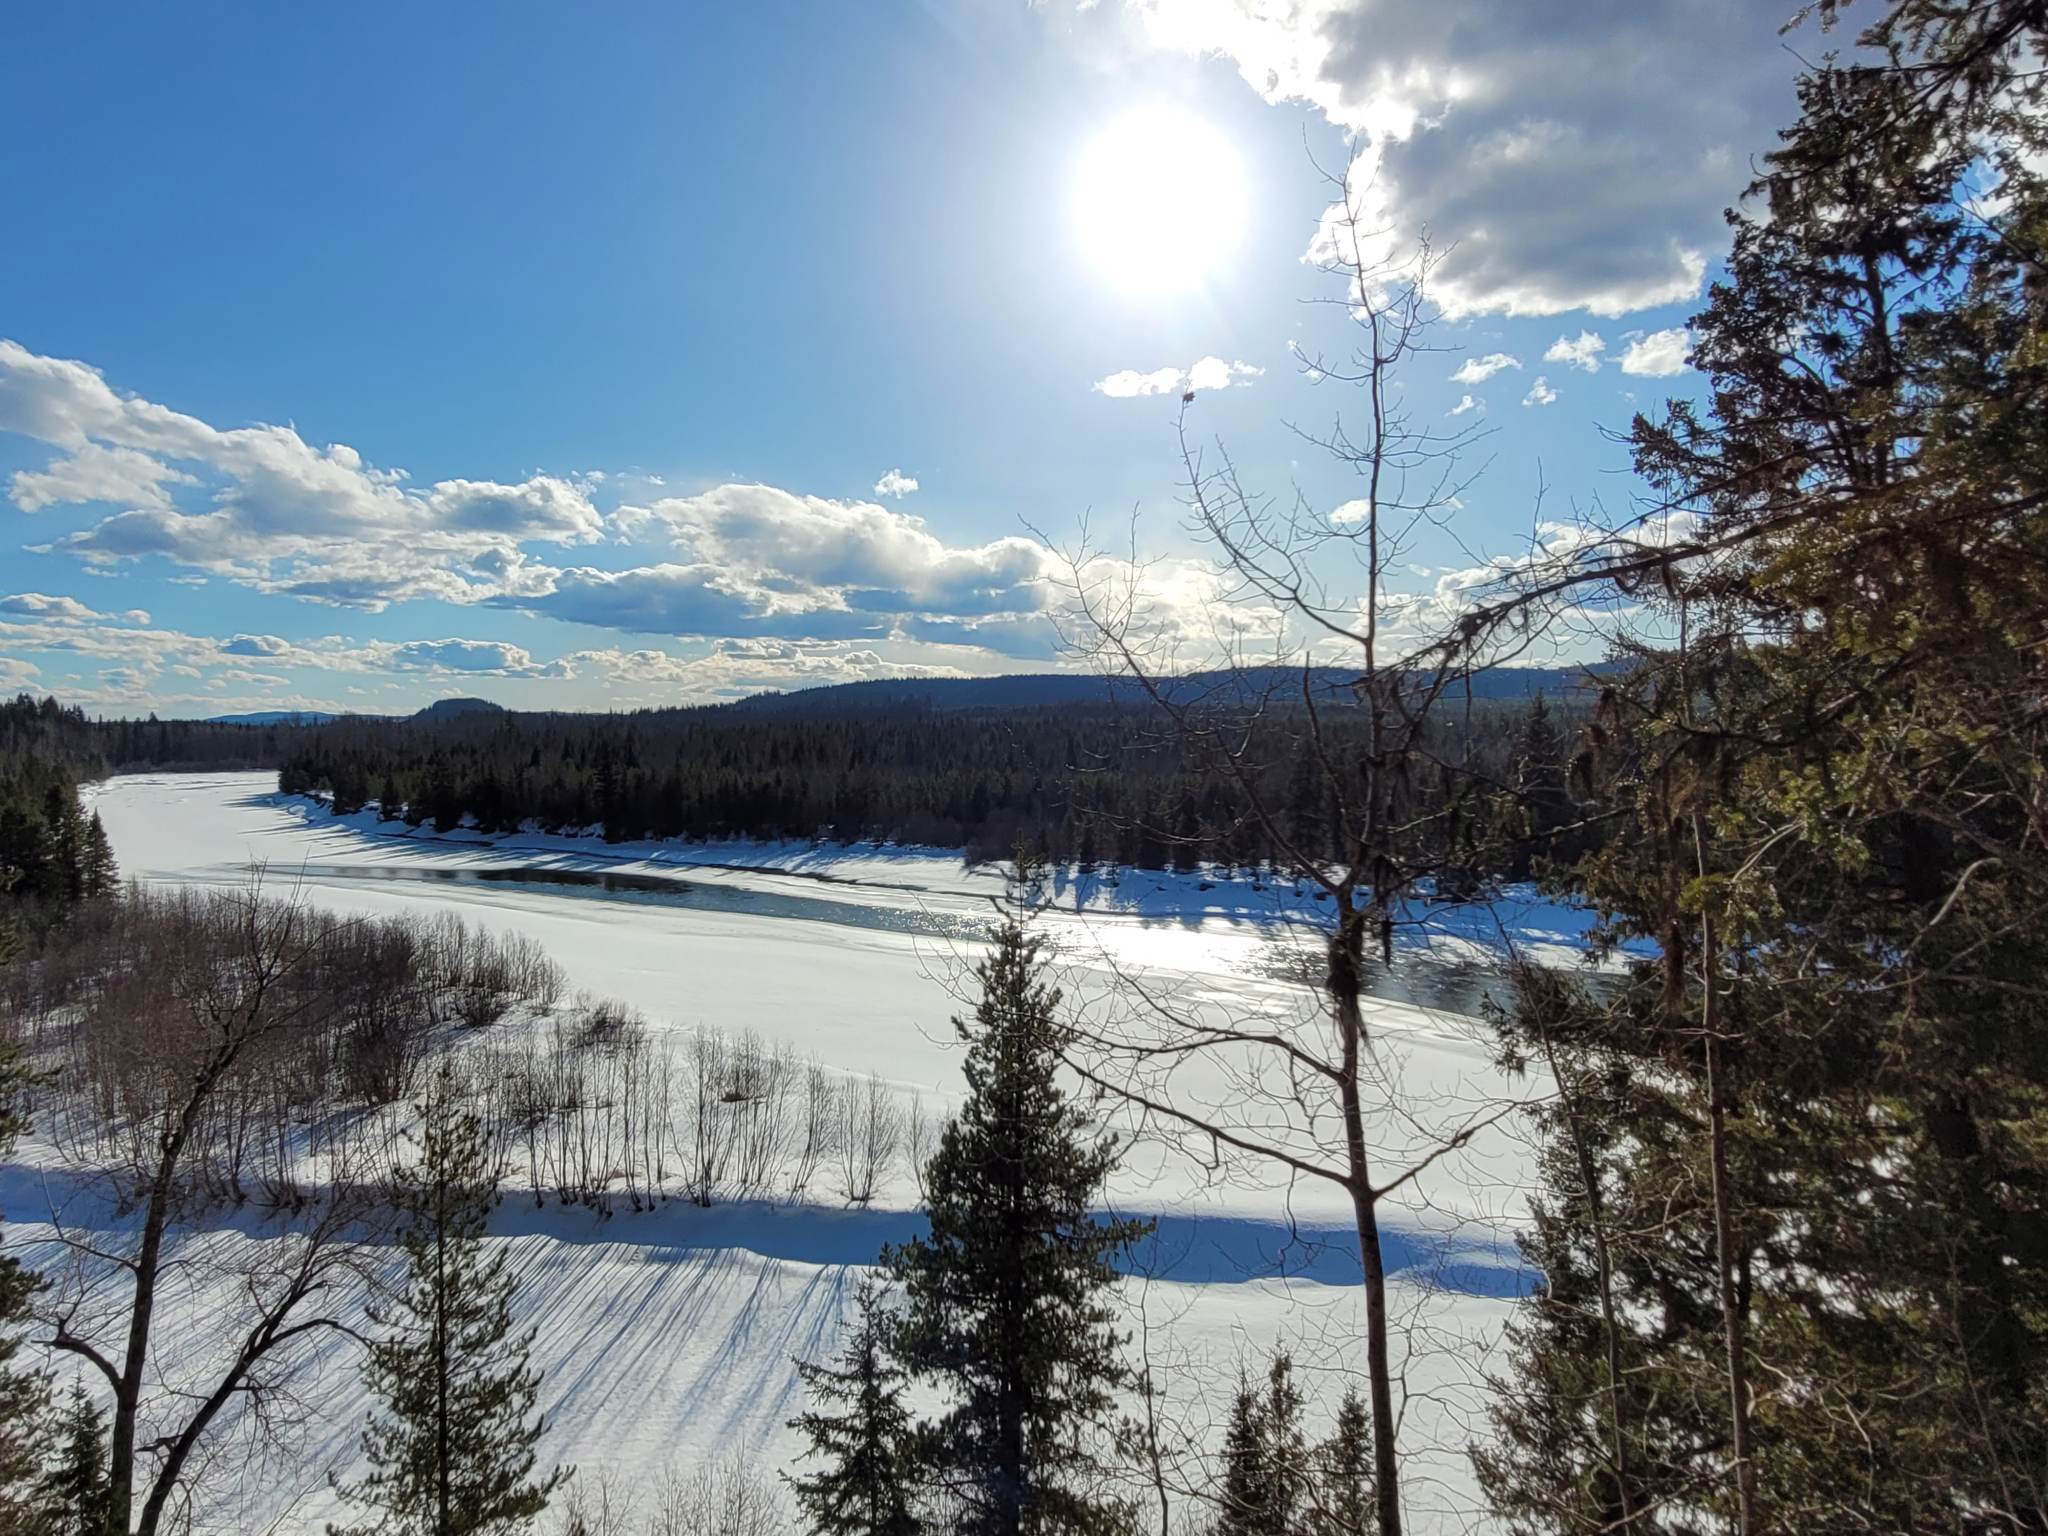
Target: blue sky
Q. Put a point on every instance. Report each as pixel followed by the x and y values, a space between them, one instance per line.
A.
pixel 361 356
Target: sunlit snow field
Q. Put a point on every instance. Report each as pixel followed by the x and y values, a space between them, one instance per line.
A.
pixel 668 1336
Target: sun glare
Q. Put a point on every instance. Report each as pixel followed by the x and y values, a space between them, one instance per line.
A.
pixel 1159 199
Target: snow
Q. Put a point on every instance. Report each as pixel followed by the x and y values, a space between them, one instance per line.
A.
pixel 669 1335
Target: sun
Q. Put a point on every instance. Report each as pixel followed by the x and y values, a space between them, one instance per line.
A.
pixel 1159 200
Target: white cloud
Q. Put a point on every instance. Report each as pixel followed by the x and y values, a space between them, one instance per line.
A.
pixel 1208 373
pixel 1129 384
pixel 1214 373
pixel 791 551
pixel 1540 393
pixel 743 666
pixel 1581 351
pixel 1562 156
pixel 1477 370
pixel 1467 403
pixel 491 658
pixel 896 484
pixel 97 474
pixel 280 513
pixel 41 605
pixel 1659 354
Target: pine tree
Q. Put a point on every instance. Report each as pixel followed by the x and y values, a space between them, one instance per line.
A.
pixel 75 1488
pixel 101 873
pixel 1539 789
pixel 24 1394
pixel 1006 1301
pixel 864 1489
pixel 1812 1142
pixel 1343 1480
pixel 66 843
pixel 1266 1481
pixel 452 1454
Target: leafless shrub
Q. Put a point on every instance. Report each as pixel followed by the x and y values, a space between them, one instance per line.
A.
pixel 817 1131
pixel 727 1499
pixel 870 1132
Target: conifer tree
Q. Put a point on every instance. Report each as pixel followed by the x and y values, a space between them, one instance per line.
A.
pixel 100 872
pixel 864 1488
pixel 1266 1488
pixel 452 1452
pixel 1808 1163
pixel 1343 1481
pixel 1006 1301
pixel 24 1394
pixel 75 1488
pixel 66 842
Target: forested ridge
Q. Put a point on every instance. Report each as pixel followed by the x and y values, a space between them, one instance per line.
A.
pixel 1082 784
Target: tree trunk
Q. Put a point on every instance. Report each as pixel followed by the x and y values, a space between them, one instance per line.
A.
pixel 1724 1255
pixel 1346 949
pixel 1603 1259
pixel 441 1351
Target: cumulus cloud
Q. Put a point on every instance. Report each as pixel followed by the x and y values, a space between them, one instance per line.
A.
pixel 280 513
pixel 42 605
pixel 1477 370
pixel 1562 157
pixel 1467 403
pixel 743 666
pixel 97 474
pixel 1580 351
pixel 782 551
pixel 1208 373
pixel 896 484
pixel 491 658
pixel 1659 354
pixel 1540 393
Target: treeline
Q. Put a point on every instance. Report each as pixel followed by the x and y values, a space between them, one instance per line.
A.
pixel 217 746
pixel 51 854
pixel 1086 785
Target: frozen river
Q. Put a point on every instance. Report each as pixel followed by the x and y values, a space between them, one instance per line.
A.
pixel 669 1334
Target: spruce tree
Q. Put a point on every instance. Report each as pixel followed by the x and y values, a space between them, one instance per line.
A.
pixel 1807 1164
pixel 1007 1304
pixel 1265 1488
pixel 75 1488
pixel 1343 1480
pixel 452 1452
pixel 101 873
pixel 859 1426
pixel 24 1394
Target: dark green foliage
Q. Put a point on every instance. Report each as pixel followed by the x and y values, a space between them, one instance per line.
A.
pixel 1007 1305
pixel 98 873
pixel 1274 1482
pixel 1343 1466
pixel 858 1426
pixel 452 1452
pixel 1082 782
pixel 1833 830
pixel 1266 1473
pixel 74 1491
pixel 48 858
pixel 24 1394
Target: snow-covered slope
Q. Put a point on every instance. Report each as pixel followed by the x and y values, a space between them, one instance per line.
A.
pixel 669 1335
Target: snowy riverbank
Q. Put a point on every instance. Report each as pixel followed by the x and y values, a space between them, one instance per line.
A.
pixel 668 1335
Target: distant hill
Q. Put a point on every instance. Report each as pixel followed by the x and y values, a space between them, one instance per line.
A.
pixel 450 709
pixel 274 717
pixel 1040 690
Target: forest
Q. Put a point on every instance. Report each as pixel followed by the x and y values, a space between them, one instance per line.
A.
pixel 1083 785
pixel 1785 1223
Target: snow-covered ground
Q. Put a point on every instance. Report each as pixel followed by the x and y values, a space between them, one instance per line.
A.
pixel 668 1336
